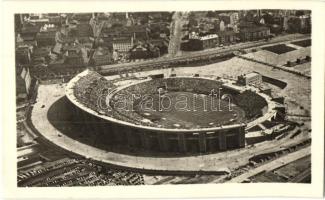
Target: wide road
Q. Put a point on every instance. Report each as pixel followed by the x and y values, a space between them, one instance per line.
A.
pixel 175 34
pixel 214 51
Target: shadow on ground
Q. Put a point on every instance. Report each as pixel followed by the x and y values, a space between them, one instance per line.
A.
pixel 62 117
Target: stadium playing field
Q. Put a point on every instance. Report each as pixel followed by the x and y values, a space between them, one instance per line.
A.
pixel 189 110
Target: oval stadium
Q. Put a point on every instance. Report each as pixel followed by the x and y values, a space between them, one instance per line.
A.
pixel 167 113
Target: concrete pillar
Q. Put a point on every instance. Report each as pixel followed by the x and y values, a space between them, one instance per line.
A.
pixel 116 132
pixel 85 119
pixel 210 141
pixel 130 138
pixel 202 142
pixel 93 124
pixel 104 129
pixel 163 145
pixel 144 140
pixel 241 137
pixel 94 129
pixel 222 140
pixel 76 110
pixel 182 142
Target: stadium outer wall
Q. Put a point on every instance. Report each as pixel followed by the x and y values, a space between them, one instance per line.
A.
pixel 154 139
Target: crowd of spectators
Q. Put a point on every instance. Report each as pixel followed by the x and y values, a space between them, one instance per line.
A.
pixel 88 89
pixel 93 86
pixel 122 104
pixel 251 103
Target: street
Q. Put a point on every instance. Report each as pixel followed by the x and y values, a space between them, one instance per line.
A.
pixel 176 34
pixel 188 55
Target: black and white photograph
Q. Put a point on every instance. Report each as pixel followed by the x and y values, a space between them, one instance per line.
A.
pixel 136 98
pixel 128 98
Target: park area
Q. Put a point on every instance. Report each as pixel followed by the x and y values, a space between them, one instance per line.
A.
pixel 279 48
pixel 303 43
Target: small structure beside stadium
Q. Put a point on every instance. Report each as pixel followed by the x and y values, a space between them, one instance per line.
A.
pixel 252 78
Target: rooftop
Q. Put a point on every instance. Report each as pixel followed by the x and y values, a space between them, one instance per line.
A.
pixel 209 37
pixel 254 28
pixel 252 74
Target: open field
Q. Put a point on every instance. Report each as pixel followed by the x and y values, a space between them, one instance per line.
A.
pixel 303 43
pixel 279 59
pixel 279 48
pixel 200 110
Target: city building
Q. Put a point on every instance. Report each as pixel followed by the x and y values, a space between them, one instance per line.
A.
pixel 82 17
pixel 122 44
pixel 227 37
pixel 28 31
pixel 222 26
pixel 138 32
pixel 254 33
pixel 229 18
pixel 56 19
pixel 75 55
pixel 210 41
pixel 23 82
pixel 197 42
pixel 143 51
pixel 252 78
pixel 102 57
pixel 46 37
pixel 139 52
pixel 84 30
pixel 23 54
pixel 161 43
pixel 298 24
